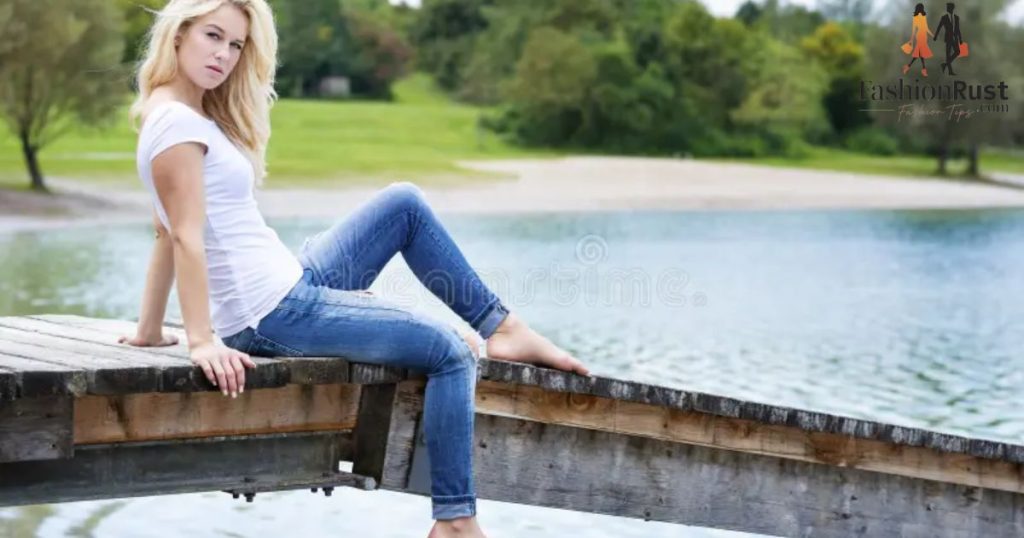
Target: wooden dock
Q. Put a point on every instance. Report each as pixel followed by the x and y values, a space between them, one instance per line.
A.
pixel 83 417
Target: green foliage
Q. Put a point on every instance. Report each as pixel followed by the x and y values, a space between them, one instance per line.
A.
pixel 314 43
pixel 710 60
pixel 873 141
pixel 60 64
pixel 443 34
pixel 785 94
pixel 842 58
pixel 359 39
pixel 783 21
pixel 552 80
pixel 138 17
pixel 380 57
pixel 648 76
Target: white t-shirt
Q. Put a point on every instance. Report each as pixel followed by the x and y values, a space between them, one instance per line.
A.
pixel 249 269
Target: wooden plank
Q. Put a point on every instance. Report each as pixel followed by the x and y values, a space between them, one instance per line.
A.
pixel 35 378
pixel 36 429
pixel 86 340
pixel 309 370
pixel 8 384
pixel 160 416
pixel 169 467
pixel 179 375
pixel 812 421
pixel 591 471
pixel 103 375
pixel 385 431
pixel 605 414
pixel 98 330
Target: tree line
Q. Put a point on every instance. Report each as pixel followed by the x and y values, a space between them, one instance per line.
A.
pixel 653 77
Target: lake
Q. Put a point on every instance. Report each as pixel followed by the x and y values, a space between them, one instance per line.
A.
pixel 908 317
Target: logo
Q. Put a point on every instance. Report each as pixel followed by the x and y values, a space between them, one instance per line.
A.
pixel 949 28
pixel 967 100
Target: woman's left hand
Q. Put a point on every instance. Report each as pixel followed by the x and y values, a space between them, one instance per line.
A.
pixel 141 341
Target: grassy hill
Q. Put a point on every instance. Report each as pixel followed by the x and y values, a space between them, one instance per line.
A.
pixel 314 142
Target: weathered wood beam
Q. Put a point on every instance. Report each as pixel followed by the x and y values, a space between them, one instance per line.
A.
pixel 179 466
pixel 155 416
pixel 385 431
pixel 36 429
pixel 8 384
pixel 646 420
pixel 587 470
pixel 812 421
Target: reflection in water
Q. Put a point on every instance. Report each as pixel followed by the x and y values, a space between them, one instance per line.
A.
pixel 910 317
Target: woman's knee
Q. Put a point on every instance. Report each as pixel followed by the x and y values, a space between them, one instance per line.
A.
pixel 451 351
pixel 405 194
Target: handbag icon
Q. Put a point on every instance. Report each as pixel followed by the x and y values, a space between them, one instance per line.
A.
pixel 907 48
pixel 963 50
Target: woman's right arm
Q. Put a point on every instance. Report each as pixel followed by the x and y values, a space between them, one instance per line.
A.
pixel 178 180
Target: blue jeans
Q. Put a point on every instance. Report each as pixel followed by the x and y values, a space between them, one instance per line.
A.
pixel 325 315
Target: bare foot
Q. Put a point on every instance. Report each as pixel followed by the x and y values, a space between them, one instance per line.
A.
pixel 515 341
pixel 460 527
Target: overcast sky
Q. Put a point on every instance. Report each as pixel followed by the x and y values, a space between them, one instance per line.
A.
pixel 727 8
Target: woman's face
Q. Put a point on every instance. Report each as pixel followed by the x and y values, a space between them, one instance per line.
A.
pixel 209 50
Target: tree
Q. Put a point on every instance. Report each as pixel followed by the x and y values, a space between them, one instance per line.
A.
pixel 314 43
pixel 381 55
pixel 138 17
pixel 784 104
pixel 783 21
pixel 709 59
pixel 60 65
pixel 632 109
pixel 842 58
pixel 552 79
pixel 444 33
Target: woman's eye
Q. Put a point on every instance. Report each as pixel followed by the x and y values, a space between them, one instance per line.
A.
pixel 213 35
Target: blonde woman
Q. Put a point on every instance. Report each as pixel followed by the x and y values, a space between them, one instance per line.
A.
pixel 205 92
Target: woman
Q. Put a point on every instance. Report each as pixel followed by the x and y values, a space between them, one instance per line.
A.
pixel 206 87
pixel 919 33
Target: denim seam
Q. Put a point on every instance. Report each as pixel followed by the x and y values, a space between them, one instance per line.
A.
pixel 332 303
pixel 453 499
pixel 257 336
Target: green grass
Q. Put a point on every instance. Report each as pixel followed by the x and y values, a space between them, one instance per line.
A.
pixel 314 143
pixel 418 137
pixel 821 158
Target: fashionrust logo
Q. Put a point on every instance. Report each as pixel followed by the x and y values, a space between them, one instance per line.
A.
pixel 966 98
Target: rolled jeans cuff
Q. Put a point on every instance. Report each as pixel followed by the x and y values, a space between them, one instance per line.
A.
pixel 490 321
pixel 454 507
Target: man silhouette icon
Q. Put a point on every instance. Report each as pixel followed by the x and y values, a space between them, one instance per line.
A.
pixel 949 26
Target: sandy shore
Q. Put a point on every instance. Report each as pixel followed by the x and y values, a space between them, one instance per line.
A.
pixel 569 184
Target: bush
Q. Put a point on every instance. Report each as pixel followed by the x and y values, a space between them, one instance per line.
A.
pixel 873 141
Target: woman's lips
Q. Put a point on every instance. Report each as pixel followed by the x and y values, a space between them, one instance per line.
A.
pixel 215 70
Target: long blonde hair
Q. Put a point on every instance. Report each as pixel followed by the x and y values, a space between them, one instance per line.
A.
pixel 241 104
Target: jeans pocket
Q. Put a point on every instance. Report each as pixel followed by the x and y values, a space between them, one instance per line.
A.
pixel 262 346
